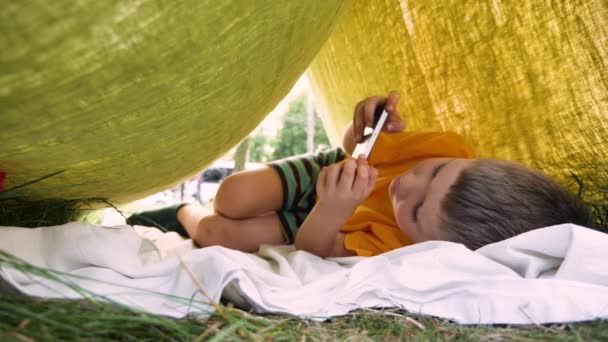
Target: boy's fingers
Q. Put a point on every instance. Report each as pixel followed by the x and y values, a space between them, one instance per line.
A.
pixel 373 175
pixel 361 181
pixel 394 124
pixel 358 122
pixel 333 174
pixel 348 174
pixel 321 179
pixel 370 109
pixel 391 101
pixel 361 160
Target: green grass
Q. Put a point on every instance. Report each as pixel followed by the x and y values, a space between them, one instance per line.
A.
pixel 31 319
pixel 25 318
pixel 19 211
pixel 28 319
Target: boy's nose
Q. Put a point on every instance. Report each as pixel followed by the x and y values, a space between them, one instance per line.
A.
pixel 410 183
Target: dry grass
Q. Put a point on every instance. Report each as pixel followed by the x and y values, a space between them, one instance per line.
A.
pixel 30 319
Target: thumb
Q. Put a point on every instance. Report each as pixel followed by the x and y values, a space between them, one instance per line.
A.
pixel 395 124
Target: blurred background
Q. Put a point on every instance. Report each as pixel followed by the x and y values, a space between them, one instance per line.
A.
pixel 293 127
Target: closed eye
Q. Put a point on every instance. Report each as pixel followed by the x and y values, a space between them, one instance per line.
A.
pixel 415 212
pixel 419 204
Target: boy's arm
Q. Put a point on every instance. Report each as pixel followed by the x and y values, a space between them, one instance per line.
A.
pixel 318 233
pixel 340 190
pixel 338 249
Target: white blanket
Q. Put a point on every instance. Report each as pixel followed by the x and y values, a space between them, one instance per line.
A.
pixel 555 274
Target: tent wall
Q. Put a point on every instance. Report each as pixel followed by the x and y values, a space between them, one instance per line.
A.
pixel 130 97
pixel 522 80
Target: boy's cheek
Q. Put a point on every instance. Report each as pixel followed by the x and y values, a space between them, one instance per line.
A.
pixel 401 217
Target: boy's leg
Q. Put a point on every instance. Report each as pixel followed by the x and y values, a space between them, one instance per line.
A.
pixel 249 194
pixel 190 215
pixel 284 189
pixel 163 218
pixel 241 195
pixel 286 186
pixel 245 234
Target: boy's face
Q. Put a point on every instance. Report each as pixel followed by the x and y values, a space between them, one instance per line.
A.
pixel 417 195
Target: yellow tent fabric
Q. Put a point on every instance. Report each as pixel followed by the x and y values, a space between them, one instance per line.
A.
pixel 130 97
pixel 522 80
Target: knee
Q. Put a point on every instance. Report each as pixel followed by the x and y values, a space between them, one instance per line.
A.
pixel 213 230
pixel 229 196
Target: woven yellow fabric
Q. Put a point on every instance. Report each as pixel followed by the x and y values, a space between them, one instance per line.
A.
pixel 130 97
pixel 521 80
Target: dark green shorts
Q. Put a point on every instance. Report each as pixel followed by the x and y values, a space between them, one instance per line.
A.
pixel 299 179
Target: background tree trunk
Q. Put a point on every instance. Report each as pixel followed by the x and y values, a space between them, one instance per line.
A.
pixel 240 155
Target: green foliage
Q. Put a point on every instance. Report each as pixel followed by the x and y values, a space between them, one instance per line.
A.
pixel 94 318
pixel 31 319
pixel 258 144
pixel 291 139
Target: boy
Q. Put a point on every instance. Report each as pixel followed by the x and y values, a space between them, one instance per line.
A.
pixel 416 187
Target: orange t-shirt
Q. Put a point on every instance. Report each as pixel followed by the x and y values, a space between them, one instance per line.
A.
pixel 373 229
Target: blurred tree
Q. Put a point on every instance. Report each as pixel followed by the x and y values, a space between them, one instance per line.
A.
pixel 291 139
pixel 240 155
pixel 258 148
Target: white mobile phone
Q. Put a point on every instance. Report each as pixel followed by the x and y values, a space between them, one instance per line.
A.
pixel 368 145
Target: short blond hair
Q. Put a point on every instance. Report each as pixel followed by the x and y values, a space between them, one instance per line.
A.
pixel 493 200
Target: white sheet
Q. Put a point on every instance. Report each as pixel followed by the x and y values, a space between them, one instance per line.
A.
pixel 555 274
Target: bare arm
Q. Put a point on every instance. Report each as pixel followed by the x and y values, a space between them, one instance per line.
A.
pixel 341 190
pixel 338 249
pixel 318 233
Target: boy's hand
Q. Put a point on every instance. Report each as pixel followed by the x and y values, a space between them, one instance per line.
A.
pixel 342 188
pixel 364 115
